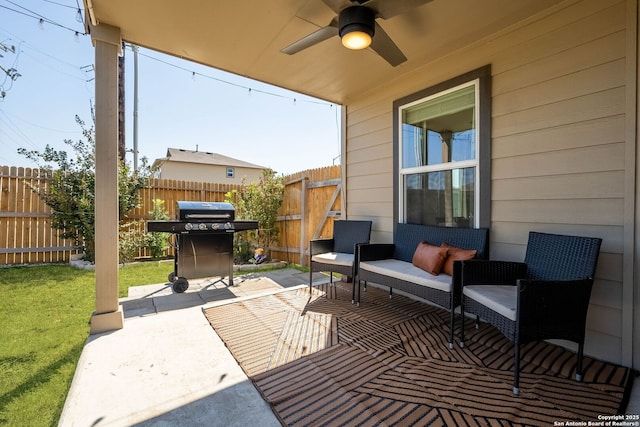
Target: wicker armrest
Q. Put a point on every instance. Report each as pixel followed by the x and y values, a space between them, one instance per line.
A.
pixel 491 272
pixel 376 251
pixel 320 246
pixel 553 309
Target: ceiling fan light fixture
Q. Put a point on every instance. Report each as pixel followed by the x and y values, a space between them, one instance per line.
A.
pixel 356 40
pixel 356 24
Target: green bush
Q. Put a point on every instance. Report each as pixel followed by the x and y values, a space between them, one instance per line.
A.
pixel 258 201
pixel 158 243
pixel 131 238
pixel 242 251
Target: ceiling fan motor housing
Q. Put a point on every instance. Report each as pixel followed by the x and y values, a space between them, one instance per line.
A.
pixel 356 18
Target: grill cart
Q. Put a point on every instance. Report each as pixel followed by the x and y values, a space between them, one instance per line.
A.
pixel 204 241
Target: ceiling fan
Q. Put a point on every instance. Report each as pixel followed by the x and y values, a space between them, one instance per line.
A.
pixel 356 25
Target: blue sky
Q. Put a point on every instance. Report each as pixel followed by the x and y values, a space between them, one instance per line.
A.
pixel 180 104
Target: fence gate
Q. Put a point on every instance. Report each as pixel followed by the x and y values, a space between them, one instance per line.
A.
pixel 312 201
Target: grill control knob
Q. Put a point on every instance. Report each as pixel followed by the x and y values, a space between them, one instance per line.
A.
pixel 202 226
pixel 188 226
pixel 227 225
pixel 215 226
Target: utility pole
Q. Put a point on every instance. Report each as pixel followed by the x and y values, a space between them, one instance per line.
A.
pixel 135 107
pixel 122 146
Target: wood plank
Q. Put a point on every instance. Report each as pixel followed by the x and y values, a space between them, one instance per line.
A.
pixel 605 130
pixel 588 107
pixel 575 83
pixel 592 185
pixel 585 212
pixel 517 232
pixel 325 215
pixel 584 56
pixel 381 138
pixel 371 124
pixel 380 182
pixel 599 158
pixel 557 33
pixel 364 153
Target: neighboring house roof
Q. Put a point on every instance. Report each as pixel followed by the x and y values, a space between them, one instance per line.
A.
pixel 203 157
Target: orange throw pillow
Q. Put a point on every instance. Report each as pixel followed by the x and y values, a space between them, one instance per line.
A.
pixel 429 258
pixel 455 254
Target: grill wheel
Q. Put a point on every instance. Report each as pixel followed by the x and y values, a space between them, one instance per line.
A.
pixel 180 285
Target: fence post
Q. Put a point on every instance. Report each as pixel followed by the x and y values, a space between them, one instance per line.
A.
pixel 304 219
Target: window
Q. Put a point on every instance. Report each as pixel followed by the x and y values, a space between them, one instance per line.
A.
pixel 442 153
pixel 230 172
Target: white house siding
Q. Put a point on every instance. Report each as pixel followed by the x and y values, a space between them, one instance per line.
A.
pixel 558 144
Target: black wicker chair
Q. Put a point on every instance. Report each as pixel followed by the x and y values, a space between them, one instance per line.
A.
pixel 546 297
pixel 337 255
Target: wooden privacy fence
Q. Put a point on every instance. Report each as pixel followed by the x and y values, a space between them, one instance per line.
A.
pixel 311 202
pixel 26 236
pixel 171 191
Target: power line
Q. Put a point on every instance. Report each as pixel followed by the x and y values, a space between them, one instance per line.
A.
pixel 80 77
pixel 59 4
pixel 40 18
pixel 12 126
pixel 41 127
pixel 23 44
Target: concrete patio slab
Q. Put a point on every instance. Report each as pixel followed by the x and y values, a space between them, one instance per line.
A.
pixel 167 366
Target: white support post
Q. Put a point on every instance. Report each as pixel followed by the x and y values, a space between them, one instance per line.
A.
pixel 108 44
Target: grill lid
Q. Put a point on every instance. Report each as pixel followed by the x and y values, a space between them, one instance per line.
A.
pixel 205 211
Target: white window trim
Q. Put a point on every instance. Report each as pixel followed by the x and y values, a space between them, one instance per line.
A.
pixel 449 166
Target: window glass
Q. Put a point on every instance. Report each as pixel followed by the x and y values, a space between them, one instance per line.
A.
pixel 438 159
pixel 230 173
pixel 445 198
pixel 440 129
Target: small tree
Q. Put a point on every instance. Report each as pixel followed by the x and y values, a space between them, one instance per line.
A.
pixel 259 201
pixel 71 191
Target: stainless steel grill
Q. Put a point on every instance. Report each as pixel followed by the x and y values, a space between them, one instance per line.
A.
pixel 204 241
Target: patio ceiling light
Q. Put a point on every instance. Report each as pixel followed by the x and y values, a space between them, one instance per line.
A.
pixel 357 26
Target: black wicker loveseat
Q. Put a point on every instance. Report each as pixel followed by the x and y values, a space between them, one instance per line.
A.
pixel 390 264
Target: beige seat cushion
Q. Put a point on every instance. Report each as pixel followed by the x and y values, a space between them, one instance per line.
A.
pixel 408 272
pixel 336 258
pixel 499 298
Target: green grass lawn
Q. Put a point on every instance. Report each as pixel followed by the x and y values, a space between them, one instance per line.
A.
pixel 45 313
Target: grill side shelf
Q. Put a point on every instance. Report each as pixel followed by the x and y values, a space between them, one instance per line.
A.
pixel 245 225
pixel 165 226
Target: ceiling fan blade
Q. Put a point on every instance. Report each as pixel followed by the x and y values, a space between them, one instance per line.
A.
pixel 314 38
pixel 389 8
pixel 386 48
pixel 338 5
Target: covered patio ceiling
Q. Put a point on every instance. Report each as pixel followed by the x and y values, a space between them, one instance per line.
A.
pixel 245 37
